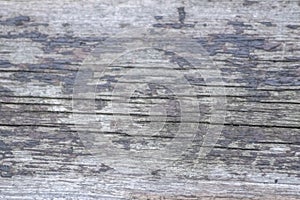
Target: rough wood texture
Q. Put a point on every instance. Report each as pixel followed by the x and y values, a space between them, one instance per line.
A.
pixel 43 151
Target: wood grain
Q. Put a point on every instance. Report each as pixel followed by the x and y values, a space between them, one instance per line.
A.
pixel 254 44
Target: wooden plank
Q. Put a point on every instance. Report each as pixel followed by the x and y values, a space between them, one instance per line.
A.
pixel 68 130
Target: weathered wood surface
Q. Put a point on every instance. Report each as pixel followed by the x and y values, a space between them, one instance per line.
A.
pixel 254 44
